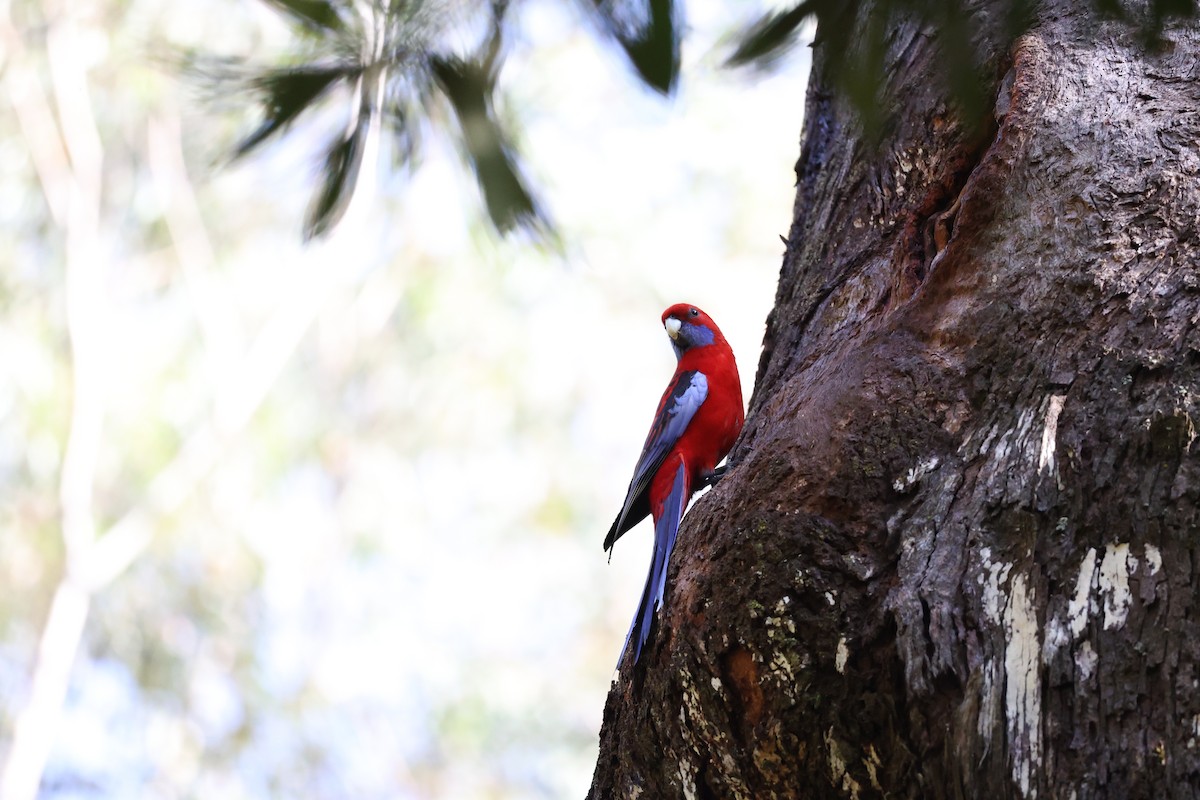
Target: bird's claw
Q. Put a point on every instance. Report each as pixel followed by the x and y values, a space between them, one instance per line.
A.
pixel 711 478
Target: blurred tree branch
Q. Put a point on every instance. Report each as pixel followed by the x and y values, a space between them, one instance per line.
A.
pixel 192 244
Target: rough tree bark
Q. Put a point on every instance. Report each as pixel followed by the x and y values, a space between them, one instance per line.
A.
pixel 956 554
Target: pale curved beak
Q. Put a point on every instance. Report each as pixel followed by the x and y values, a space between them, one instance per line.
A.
pixel 672 325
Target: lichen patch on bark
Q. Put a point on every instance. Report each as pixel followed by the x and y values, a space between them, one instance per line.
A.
pixel 1023 688
pixel 1114 583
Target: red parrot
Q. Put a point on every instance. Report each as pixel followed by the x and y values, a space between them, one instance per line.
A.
pixel 698 419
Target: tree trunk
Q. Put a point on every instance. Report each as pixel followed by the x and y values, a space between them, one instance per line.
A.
pixel 955 555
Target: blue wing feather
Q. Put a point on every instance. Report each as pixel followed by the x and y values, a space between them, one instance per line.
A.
pixel 683 398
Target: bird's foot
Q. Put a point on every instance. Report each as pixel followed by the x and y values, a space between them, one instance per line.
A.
pixel 711 478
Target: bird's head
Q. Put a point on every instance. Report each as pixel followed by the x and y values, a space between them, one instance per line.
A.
pixel 689 328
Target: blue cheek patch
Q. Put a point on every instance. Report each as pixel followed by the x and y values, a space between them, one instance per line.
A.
pixel 697 335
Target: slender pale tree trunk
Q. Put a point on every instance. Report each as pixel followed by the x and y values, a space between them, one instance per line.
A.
pixel 66 148
pixel 956 555
pixel 65 144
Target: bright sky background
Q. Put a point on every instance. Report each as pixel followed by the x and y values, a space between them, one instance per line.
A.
pixel 429 431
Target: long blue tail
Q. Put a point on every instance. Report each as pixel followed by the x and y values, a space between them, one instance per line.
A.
pixel 666 528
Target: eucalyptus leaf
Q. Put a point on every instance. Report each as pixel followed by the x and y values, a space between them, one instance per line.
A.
pixel 468 86
pixel 771 36
pixel 319 14
pixel 339 176
pixel 647 31
pixel 286 94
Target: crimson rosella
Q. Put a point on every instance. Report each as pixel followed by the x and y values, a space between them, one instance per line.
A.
pixel 698 419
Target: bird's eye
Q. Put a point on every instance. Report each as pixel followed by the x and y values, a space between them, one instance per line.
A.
pixel 693 312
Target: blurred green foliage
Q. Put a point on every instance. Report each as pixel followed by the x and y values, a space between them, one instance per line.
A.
pixel 396 62
pixel 404 58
